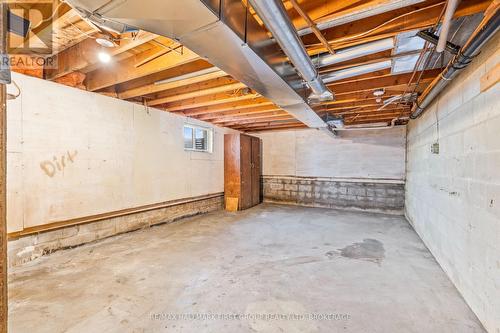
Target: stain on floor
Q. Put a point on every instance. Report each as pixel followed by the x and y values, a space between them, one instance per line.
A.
pixel 369 250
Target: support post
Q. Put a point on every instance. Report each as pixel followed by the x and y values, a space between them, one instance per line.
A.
pixel 3 174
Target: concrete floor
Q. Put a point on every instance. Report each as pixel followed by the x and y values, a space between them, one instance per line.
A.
pixel 362 272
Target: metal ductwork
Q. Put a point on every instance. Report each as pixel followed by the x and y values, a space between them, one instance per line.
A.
pixel 224 33
pixel 484 32
pixel 356 70
pixel 275 17
pixel 357 51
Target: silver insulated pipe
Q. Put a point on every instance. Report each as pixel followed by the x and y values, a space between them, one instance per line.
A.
pixel 483 33
pixel 275 17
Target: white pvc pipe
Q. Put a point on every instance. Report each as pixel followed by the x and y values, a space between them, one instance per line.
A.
pixel 445 27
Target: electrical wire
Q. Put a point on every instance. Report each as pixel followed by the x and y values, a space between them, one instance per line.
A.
pixel 418 63
pixel 14 96
pixel 364 33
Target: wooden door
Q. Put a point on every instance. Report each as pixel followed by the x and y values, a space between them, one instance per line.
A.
pixel 256 171
pixel 232 174
pixel 246 171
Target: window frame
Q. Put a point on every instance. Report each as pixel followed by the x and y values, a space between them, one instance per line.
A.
pixel 210 135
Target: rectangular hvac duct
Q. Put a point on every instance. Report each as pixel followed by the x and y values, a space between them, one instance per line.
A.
pixel 225 34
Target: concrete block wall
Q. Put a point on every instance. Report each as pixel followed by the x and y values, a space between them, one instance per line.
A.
pixel 366 195
pixel 27 248
pixel 361 170
pixel 453 198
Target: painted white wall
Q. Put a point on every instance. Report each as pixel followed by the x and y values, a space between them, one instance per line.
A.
pixel 453 198
pixel 376 154
pixel 126 156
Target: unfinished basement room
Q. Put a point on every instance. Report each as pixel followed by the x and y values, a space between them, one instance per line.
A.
pixel 226 166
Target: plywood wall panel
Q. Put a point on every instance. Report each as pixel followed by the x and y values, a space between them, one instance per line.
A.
pixel 80 153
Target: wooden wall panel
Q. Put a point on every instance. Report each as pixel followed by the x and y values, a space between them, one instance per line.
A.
pixel 232 178
pixel 246 172
pixel 256 189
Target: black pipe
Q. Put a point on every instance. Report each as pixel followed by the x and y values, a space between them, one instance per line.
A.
pixel 486 30
pixel 433 39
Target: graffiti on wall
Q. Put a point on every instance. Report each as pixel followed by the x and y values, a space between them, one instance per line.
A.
pixel 57 164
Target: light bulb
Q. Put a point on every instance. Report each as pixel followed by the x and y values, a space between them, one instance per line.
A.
pixel 104 57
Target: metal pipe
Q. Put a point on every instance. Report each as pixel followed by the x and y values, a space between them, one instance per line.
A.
pixel 445 27
pixel 353 52
pixel 275 17
pixel 483 33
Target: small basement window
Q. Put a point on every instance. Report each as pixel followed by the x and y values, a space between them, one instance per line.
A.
pixel 198 138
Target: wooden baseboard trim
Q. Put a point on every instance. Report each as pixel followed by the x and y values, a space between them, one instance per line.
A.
pixel 103 216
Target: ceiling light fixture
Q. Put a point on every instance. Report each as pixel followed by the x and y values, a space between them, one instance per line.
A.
pixel 378 92
pixel 105 41
pixel 104 57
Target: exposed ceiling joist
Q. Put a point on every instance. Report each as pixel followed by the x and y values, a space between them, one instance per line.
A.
pixel 126 70
pixel 197 92
pixel 84 54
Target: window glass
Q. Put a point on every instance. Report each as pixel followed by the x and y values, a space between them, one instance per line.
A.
pixel 198 138
pixel 188 137
pixel 201 139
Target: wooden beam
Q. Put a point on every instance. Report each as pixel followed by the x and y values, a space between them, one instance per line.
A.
pixel 210 100
pixel 350 105
pixel 321 10
pixel 200 87
pixel 274 127
pixel 253 121
pixel 370 121
pixel 155 88
pixel 125 70
pixel 228 107
pixel 418 16
pixel 176 96
pixel 312 26
pixel 377 82
pixel 248 116
pixel 159 49
pixel 393 115
pixel 267 123
pixel 330 13
pixel 356 99
pixel 147 85
pixel 3 178
pixel 353 107
pixel 84 54
pixel 366 60
pixel 374 112
pixel 245 110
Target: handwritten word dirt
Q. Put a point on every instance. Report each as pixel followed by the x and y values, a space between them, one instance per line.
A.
pixel 58 163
